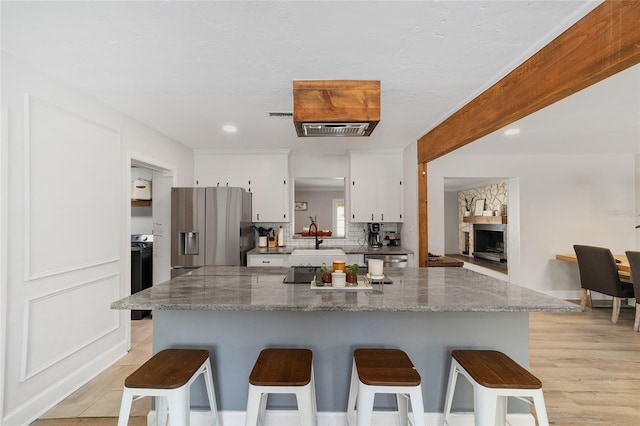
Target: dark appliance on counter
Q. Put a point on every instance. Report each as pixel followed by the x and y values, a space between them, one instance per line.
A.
pixel 141 268
pixel 393 239
pixel 209 226
pixel 374 235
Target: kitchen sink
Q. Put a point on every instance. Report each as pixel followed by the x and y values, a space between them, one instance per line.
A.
pixel 312 257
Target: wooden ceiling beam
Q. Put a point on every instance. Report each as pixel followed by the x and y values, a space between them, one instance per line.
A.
pixel 604 42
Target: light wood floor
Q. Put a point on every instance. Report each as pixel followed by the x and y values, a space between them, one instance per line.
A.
pixel 98 402
pixel 589 367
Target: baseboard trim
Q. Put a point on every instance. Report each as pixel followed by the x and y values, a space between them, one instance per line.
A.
pixel 39 404
pixel 290 418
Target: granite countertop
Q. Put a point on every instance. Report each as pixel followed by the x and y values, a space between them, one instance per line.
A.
pixel 347 249
pixel 237 288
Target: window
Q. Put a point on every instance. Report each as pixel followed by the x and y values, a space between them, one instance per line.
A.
pixel 338 217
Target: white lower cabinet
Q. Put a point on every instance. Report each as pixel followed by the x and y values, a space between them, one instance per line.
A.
pixel 268 260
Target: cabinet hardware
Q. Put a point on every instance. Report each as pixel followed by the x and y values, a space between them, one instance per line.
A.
pixel 371 216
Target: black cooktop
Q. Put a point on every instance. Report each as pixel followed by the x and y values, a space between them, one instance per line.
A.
pixel 305 274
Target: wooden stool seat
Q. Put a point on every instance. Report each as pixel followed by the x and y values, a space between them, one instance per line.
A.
pixel 493 369
pixel 168 369
pixel 168 377
pixel 284 371
pixel 282 367
pixel 494 377
pixel 385 367
pixel 382 370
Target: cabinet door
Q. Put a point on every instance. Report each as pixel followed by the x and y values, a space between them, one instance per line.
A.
pixel 267 260
pixel 363 200
pixel 389 199
pixel 270 195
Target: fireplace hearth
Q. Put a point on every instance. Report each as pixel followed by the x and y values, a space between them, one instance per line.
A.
pixel 490 242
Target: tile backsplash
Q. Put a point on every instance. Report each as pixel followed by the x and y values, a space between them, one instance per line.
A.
pixel 356 235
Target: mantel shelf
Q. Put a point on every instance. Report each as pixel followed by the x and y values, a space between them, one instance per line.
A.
pixel 140 203
pixel 485 219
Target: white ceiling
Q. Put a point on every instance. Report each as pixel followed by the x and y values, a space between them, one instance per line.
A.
pixel 188 68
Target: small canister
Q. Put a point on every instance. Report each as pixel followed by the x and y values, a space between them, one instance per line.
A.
pixel 339 265
pixel 338 279
pixel 375 267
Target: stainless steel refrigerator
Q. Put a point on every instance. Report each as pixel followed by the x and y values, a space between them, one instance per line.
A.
pixel 209 226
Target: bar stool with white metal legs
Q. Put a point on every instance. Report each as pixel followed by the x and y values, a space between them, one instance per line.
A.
pixel 494 377
pixel 168 376
pixel 380 370
pixel 282 370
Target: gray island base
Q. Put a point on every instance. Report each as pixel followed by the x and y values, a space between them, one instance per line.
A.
pixel 235 312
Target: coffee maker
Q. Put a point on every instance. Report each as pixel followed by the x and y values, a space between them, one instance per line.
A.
pixel 374 235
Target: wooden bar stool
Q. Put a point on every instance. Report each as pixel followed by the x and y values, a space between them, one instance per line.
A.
pixel 494 377
pixel 383 371
pixel 168 376
pixel 282 371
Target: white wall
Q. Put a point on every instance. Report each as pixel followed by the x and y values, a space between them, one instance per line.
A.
pixel 562 200
pixel 451 225
pixel 69 212
pixel 410 199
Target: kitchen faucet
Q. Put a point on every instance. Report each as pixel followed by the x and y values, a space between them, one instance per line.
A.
pixel 317 242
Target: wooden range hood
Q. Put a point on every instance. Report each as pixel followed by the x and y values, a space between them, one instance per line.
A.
pixel 336 107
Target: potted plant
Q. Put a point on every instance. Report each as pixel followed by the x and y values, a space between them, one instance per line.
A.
pixel 468 205
pixel 325 278
pixel 352 274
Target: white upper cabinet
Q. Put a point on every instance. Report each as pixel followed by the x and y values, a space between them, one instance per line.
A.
pixel 264 174
pixel 270 198
pixel 376 187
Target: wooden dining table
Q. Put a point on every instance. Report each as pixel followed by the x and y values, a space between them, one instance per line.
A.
pixel 623 265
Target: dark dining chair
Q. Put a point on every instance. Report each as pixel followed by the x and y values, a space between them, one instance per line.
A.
pixel 634 261
pixel 599 273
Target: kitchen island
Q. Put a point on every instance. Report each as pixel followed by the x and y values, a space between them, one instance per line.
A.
pixel 234 312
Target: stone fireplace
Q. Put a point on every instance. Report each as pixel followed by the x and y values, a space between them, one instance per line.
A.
pixel 490 242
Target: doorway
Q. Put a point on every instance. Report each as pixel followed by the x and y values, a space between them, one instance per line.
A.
pixel 153 216
pixel 498 196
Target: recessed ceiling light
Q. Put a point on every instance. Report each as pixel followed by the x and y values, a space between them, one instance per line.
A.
pixel 512 132
pixel 229 128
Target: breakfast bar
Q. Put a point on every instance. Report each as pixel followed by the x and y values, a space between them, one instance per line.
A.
pixel 235 312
